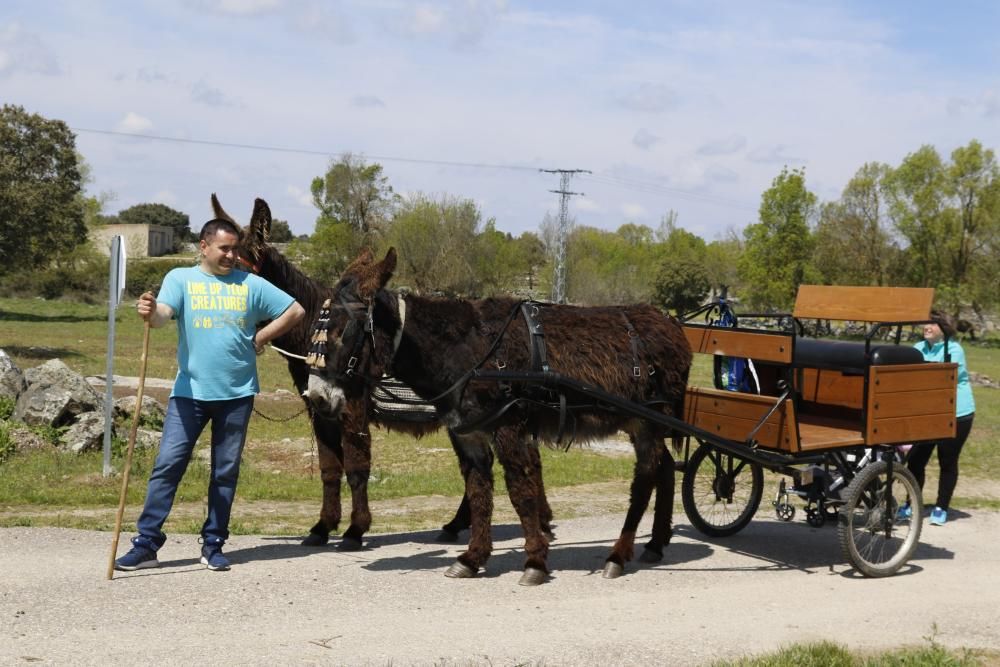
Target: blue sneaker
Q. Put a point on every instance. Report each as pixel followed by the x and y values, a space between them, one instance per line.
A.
pixel 904 513
pixel 938 516
pixel 141 556
pixel 211 555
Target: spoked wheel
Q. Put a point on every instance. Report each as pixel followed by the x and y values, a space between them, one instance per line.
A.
pixel 872 537
pixel 721 491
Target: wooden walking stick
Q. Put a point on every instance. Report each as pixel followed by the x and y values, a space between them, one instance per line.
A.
pixel 131 447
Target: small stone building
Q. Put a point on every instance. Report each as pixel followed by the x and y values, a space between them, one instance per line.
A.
pixel 140 240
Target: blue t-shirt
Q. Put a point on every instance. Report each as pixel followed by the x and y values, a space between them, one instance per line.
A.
pixel 217 317
pixel 964 403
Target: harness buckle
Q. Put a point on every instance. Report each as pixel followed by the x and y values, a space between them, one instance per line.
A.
pixel 501 365
pixel 351 363
pixel 636 371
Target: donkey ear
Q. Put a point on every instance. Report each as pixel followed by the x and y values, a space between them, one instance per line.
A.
pixel 260 221
pixel 219 212
pixel 387 267
pixel 361 262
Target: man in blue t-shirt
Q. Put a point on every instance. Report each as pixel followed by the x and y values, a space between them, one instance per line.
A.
pixel 217 309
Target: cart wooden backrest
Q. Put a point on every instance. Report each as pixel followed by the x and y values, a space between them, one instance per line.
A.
pixel 900 402
pixel 863 304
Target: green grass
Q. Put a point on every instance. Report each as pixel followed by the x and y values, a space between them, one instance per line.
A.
pixel 829 654
pixel 278 467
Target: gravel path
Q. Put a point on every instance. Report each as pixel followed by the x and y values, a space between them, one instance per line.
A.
pixel 770 585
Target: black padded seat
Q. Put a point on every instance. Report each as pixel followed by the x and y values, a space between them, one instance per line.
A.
pixel 850 356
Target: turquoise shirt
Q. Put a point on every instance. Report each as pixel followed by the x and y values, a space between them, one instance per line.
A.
pixel 217 317
pixel 964 403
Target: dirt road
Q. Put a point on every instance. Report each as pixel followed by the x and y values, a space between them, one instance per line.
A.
pixel 772 584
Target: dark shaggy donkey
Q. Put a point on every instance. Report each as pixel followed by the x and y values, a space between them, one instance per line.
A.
pixel 433 344
pixel 342 447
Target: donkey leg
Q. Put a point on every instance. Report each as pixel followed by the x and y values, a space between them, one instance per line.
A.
pixel 331 469
pixel 463 515
pixel 519 473
pixel 663 510
pixel 544 511
pixel 643 479
pixel 476 462
pixel 357 465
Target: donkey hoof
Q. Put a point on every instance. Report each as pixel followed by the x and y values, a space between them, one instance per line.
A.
pixel 650 556
pixel 315 540
pixel 532 576
pixel 460 570
pixel 349 544
pixel 447 537
pixel 613 570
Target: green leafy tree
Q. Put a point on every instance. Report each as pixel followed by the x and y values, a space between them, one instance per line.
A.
pixel 610 267
pixel 437 243
pixel 280 231
pixel 356 194
pixel 161 215
pixel 722 257
pixel 682 278
pixel 918 204
pixel 776 257
pixel 41 208
pixel 854 244
pixel 973 185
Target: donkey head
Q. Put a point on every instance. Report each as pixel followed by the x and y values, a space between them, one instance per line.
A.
pixel 353 338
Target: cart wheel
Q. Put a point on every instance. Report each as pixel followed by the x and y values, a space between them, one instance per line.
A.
pixel 871 536
pixel 815 517
pixel 721 491
pixel 785 511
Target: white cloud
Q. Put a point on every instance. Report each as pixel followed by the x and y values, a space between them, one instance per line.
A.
pixel 300 196
pixel 633 211
pixel 237 7
pixel 645 139
pixel 585 204
pixel 133 123
pixel 165 197
pixel 204 93
pixel 22 51
pixel 724 146
pixel 650 98
pixel 367 101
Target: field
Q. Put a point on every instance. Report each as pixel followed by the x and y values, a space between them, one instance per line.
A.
pixel 414 485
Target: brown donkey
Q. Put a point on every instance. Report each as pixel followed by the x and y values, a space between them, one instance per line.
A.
pixel 341 447
pixel 435 345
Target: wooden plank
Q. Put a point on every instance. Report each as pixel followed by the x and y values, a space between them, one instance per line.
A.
pixel 912 403
pixel 864 304
pixel 826 433
pixel 760 346
pixel 901 430
pixel 911 377
pixel 733 415
pixel 831 387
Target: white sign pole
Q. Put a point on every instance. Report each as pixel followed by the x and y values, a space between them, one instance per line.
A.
pixel 116 287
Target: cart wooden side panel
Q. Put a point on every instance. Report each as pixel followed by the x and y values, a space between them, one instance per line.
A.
pixel 734 415
pixel 754 345
pixel 911 402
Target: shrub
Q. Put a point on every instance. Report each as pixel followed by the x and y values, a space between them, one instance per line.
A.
pixel 7 445
pixel 7 405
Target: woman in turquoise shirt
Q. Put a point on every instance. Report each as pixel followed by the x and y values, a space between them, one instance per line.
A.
pixel 948 451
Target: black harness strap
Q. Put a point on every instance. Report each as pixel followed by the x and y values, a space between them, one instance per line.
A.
pixel 638 347
pixel 530 310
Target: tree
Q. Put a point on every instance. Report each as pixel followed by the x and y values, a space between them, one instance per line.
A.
pixel 355 194
pixel 682 279
pixel 41 208
pixel 161 215
pixel 280 231
pixel 722 257
pixel 854 245
pixel 973 184
pixel 916 191
pixel 437 243
pixel 776 258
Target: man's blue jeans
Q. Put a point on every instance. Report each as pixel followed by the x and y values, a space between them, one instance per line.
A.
pixel 184 422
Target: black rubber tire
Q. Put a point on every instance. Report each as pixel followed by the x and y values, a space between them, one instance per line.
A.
pixel 784 511
pixel 871 537
pixel 720 491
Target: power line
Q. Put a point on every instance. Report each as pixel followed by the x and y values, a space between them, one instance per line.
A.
pixel 614 181
pixel 303 151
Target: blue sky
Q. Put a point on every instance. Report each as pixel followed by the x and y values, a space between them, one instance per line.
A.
pixel 676 105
